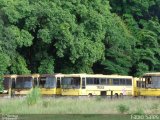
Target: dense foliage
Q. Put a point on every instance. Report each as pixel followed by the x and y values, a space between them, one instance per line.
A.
pixel 75 36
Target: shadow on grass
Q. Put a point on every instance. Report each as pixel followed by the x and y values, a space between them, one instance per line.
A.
pixel 75 117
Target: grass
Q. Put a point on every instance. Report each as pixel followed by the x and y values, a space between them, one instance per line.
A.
pixel 65 105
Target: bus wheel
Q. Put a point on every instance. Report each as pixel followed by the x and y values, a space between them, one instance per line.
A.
pixel 53 96
pixel 116 95
pixel 12 94
pixel 121 95
pixel 90 95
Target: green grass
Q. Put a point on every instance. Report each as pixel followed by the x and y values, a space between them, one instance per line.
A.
pixel 65 105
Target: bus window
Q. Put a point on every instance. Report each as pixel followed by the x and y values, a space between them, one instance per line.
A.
pixel 50 82
pixel 96 81
pixel 13 82
pixel 58 82
pixel 75 82
pixel 142 83
pixel 108 81
pixel 128 82
pixel 71 82
pixel 148 82
pixel 155 82
pixel 90 81
pixel 93 81
pixel 42 82
pixel 115 81
pixel 103 81
pixel 83 83
pixel 23 82
pixel 6 83
pixel 138 83
pixel 122 81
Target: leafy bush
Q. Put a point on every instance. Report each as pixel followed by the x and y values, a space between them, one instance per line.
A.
pixel 122 108
pixel 33 97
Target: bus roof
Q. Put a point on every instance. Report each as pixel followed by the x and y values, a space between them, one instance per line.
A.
pixel 29 75
pixel 152 74
pixel 11 76
pixel 51 75
pixel 96 75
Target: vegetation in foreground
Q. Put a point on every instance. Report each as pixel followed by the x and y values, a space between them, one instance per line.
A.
pixel 66 105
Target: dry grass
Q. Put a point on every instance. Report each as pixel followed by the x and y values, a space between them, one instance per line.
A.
pixel 65 105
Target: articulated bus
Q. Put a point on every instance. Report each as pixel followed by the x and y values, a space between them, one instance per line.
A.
pixel 23 84
pixel 50 84
pixel 149 85
pixel 96 84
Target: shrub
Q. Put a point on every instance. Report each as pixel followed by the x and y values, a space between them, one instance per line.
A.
pixel 33 97
pixel 122 108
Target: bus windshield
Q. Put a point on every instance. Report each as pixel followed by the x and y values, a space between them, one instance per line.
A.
pixel 48 82
pixel 23 82
pixel 71 82
pixel 152 82
pixel 6 83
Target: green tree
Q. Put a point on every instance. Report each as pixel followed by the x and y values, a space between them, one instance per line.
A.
pixel 46 66
pixel 118 44
pixel 73 36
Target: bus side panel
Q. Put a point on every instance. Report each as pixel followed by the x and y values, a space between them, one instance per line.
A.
pixel 45 91
pixel 71 92
pixel 96 89
pixel 149 92
pixel 21 91
pixel 58 91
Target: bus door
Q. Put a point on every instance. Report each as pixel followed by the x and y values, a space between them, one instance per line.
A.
pixel 13 84
pixel 83 86
pixel 35 82
pixel 58 86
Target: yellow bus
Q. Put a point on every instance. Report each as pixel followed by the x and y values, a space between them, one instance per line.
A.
pixel 149 85
pixel 50 84
pixel 23 84
pixel 7 84
pixel 96 84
